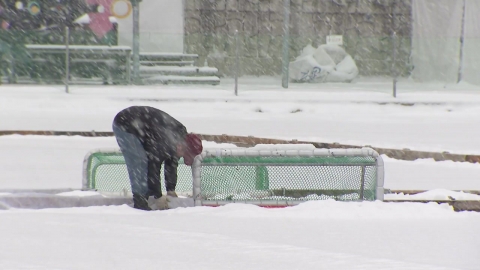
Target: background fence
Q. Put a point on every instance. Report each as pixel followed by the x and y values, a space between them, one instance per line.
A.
pixel 426 40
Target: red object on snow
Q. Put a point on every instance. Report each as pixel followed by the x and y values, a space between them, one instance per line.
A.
pixel 100 21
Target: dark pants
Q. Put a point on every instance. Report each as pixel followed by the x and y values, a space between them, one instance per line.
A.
pixel 135 159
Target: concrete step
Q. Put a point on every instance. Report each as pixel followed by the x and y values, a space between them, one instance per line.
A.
pixel 175 70
pixel 146 56
pixel 176 79
pixel 168 59
pixel 179 63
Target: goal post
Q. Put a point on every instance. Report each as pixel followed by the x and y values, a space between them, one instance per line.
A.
pixel 104 170
pixel 286 177
pixel 248 175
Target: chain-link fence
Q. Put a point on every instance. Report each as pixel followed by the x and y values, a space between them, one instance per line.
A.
pixel 205 41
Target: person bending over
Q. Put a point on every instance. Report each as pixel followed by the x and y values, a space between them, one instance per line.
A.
pixel 148 138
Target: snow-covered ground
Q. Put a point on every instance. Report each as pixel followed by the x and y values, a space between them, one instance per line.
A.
pixel 446 118
pixel 314 235
pixel 57 163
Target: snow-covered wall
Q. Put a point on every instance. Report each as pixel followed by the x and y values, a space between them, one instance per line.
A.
pixel 161 26
pixel 438 52
pixel 471 56
pixel 366 26
pixel 437 29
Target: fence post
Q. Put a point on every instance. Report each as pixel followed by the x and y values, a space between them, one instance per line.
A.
pixel 136 41
pixel 67 59
pixel 286 43
pixel 236 62
pixel 462 43
pixel 12 76
pixel 394 53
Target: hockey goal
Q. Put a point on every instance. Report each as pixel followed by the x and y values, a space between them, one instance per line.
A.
pixel 263 177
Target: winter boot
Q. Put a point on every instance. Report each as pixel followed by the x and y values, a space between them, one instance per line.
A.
pixel 159 203
pixel 140 202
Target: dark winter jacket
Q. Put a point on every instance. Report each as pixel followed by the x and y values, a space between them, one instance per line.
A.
pixel 159 134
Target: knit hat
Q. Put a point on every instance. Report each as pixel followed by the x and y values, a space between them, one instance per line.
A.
pixel 194 147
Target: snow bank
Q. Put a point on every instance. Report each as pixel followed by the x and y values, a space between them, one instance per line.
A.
pixel 79 193
pixel 435 194
pixel 331 210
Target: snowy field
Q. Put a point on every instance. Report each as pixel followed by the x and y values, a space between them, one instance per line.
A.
pixel 446 117
pixel 314 235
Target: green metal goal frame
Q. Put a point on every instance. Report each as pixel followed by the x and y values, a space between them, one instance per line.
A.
pixel 97 162
pixel 260 160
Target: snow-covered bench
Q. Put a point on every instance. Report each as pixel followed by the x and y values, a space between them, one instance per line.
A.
pixel 110 59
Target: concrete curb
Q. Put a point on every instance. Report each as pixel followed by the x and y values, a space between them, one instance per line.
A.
pixel 249 141
pixel 44 201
